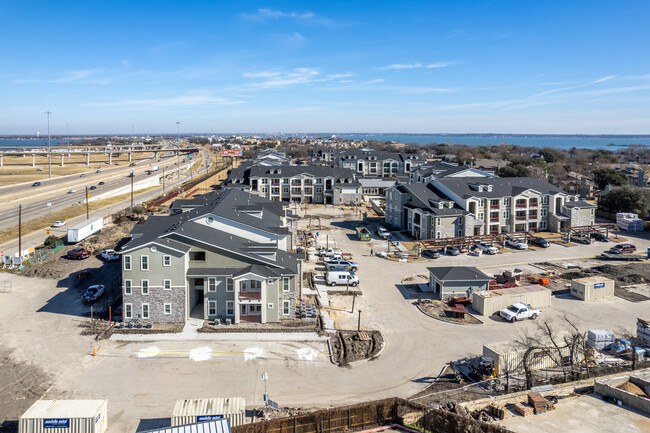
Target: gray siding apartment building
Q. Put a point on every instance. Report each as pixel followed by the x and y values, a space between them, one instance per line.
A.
pixel 219 256
pixel 370 162
pixel 492 205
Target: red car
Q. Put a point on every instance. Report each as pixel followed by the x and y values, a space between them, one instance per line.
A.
pixel 623 249
pixel 79 253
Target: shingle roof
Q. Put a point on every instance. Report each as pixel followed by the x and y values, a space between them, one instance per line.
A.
pixel 427 197
pixel 458 273
pixel 501 187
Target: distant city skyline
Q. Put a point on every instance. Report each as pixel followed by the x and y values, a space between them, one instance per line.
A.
pixel 296 67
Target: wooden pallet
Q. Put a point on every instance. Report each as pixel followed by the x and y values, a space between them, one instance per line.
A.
pixel 363 336
pixel 523 409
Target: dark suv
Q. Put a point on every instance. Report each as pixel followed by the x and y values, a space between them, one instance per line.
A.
pixel 623 249
pixel 540 242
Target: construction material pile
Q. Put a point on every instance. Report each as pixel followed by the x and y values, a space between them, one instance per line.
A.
pixel 629 221
pixel 643 331
pixel 600 338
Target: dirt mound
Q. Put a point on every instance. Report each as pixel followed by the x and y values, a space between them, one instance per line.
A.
pixel 631 388
pixel 109 237
pixel 633 279
pixel 349 346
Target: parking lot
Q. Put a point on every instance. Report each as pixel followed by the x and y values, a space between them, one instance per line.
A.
pixel 142 379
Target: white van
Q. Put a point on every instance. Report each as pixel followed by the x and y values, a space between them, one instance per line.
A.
pixel 341 277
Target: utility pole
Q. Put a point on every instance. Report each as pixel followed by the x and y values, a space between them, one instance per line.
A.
pixel 67 133
pixel 132 190
pixel 265 378
pixel 354 298
pixel 163 181
pixel 87 195
pixel 20 230
pixel 359 322
pixel 49 151
pixel 178 146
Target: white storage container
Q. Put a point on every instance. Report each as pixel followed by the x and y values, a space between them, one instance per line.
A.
pixel 601 335
pixel 83 230
pixel 65 416
pixel 191 411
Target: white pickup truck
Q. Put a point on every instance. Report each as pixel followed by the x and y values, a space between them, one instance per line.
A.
pixel 329 252
pixel 519 311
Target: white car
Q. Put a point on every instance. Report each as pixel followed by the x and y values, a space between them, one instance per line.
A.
pixel 72 191
pixel 92 293
pixel 519 311
pixel 331 252
pixel 516 244
pixel 58 224
pixel 110 255
pixel 382 232
pixel 487 248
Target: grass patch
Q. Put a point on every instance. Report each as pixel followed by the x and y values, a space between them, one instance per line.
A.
pixel 46 221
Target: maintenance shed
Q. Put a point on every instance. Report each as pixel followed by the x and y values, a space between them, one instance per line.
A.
pixel 445 281
pixel 488 302
pixel 69 416
pixel 592 288
pixel 209 409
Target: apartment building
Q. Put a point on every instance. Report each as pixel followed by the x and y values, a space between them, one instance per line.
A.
pixel 303 184
pixel 492 205
pixel 370 162
pixel 433 170
pixel 222 257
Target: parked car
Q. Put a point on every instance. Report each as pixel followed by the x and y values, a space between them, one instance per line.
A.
pixel 431 254
pixel 39 169
pixel 100 183
pixel 72 191
pixel 520 245
pixel 519 311
pixel 335 257
pixel 58 224
pixel 540 242
pixel 600 237
pixel 82 175
pixel 583 239
pixel 110 255
pixel 622 249
pixel 337 277
pixel 348 265
pixel 330 252
pixel 93 293
pixel 452 251
pixel 132 164
pixel 79 253
pixel 36 184
pixel 383 233
pixel 487 248
pixel 98 171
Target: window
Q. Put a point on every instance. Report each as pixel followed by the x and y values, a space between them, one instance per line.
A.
pixel 285 190
pixel 212 284
pixel 230 308
pixel 285 284
pixel 212 308
pixel 254 285
pixel 592 212
pixel 286 308
pixel 145 311
pixel 230 286
pixel 544 199
pixel 128 311
pixel 144 263
pixel 506 201
pixel 127 287
pixel 505 215
pixel 145 287
pixel 460 221
pixel 167 284
pixel 167 308
pixel 544 211
pixel 127 263
pixel 270 306
pixel 542 224
pixel 438 235
pixel 197 255
pixel 167 260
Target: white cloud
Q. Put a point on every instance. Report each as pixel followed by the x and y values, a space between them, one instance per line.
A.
pixel 297 37
pixel 561 89
pixel 277 79
pixel 83 76
pixel 439 64
pixel 161 103
pixel 267 14
pixel 375 81
pixel 417 65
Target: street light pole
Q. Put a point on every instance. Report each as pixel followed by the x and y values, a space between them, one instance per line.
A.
pixel 359 322
pixel 49 151
pixel 178 146
pixel 132 176
pixel 87 216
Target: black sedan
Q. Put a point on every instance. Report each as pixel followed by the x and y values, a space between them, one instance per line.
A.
pixel 601 237
pixel 431 254
pixel 540 242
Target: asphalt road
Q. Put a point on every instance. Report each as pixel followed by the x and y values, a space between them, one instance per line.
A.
pixel 35 200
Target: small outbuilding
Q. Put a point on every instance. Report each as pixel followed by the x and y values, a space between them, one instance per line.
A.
pixel 70 416
pixel 459 280
pixel 209 409
pixel 592 288
pixel 492 301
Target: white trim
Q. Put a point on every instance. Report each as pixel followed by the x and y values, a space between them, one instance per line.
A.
pixel 128 312
pixel 165 308
pixel 232 284
pixel 155 243
pixel 213 281
pixel 166 256
pixel 142 257
pixel 130 263
pixel 148 311
pixel 286 282
pixel 232 306
pixel 142 287
pixel 211 301
pixel 170 285
pixel 286 305
pixel 130 287
pixel 269 305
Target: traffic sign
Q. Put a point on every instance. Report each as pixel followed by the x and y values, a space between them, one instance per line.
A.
pixel 47 232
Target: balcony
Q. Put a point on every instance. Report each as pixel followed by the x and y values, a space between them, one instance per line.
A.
pixel 494 206
pixel 521 218
pixel 250 296
pixel 533 204
pixel 494 220
pixel 520 205
pixel 532 217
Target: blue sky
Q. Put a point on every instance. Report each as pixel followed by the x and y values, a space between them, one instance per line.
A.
pixel 380 66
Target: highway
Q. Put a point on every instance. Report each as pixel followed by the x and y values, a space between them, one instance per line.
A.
pixel 54 192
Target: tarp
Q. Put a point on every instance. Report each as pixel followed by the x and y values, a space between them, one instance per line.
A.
pixel 216 426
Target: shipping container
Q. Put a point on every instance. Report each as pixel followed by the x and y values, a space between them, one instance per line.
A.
pixel 489 302
pixel 65 416
pixel 217 426
pixel 508 356
pixel 82 230
pixel 207 409
pixel 592 288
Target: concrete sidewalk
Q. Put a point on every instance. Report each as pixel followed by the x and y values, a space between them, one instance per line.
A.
pixel 222 336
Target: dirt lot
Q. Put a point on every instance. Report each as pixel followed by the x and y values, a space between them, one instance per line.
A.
pixel 441 310
pixel 350 346
pixel 638 273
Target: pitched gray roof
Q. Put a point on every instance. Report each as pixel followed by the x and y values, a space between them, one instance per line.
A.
pixel 501 187
pixel 458 273
pixel 426 197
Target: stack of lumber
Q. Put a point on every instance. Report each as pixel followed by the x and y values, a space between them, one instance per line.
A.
pixel 539 403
